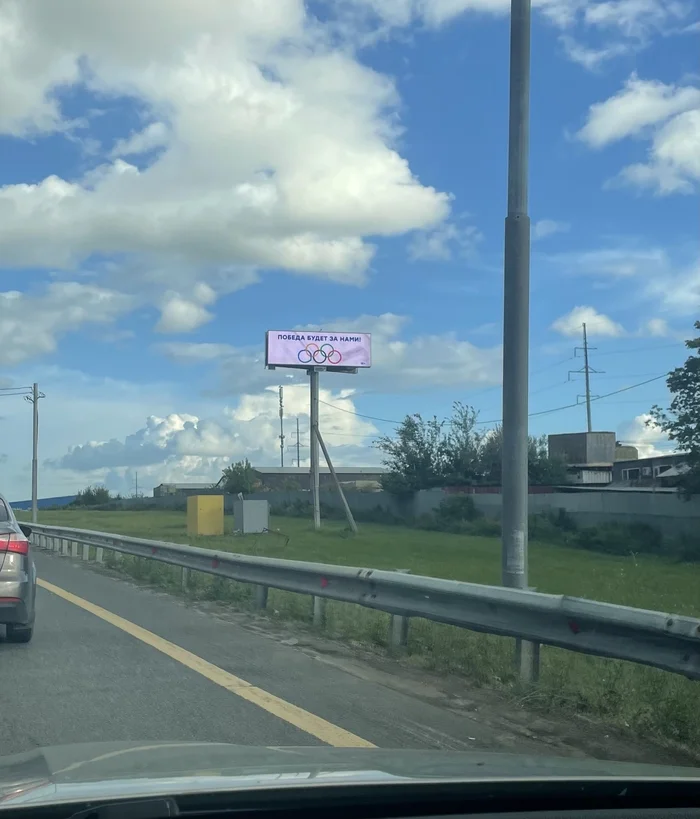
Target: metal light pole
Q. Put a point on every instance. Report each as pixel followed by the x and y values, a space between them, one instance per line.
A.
pixel 516 329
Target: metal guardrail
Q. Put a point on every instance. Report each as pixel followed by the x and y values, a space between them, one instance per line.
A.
pixel 666 641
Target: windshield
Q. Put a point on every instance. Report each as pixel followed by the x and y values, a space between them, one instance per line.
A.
pixel 349 369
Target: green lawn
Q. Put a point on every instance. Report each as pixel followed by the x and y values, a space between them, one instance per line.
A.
pixel 644 581
pixel 648 701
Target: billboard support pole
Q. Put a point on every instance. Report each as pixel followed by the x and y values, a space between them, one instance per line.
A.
pixel 313 444
pixel 348 512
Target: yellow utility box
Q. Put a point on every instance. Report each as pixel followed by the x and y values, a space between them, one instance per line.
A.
pixel 205 515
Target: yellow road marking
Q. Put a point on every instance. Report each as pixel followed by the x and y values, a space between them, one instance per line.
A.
pixel 310 723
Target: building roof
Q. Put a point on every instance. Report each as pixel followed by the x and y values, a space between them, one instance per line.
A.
pixel 188 485
pixel 670 457
pixel 304 470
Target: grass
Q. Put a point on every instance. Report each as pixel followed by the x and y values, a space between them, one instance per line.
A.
pixel 651 702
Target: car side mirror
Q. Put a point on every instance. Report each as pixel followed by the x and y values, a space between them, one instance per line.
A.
pixel 26 530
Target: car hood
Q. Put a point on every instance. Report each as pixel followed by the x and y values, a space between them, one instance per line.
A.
pixel 106 770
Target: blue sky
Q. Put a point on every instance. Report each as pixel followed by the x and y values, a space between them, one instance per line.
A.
pixel 174 184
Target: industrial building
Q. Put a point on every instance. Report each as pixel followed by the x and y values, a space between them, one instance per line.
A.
pixel 299 477
pixel 659 470
pixel 281 477
pixel 595 459
pixel 589 456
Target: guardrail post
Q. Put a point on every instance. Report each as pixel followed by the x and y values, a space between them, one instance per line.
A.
pixel 99 555
pixel 185 580
pixel 261 597
pixel 64 547
pixel 527 657
pixel 398 628
pixel 74 548
pixel 86 551
pixel 319 619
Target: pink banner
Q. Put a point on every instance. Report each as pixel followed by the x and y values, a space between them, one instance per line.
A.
pixel 291 348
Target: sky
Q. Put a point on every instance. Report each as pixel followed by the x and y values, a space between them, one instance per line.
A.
pixel 176 178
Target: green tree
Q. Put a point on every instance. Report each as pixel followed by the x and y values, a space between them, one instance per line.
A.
pixel 542 469
pixel 425 454
pixel 681 422
pixel 92 496
pixel 239 477
pixel 414 458
pixel 461 448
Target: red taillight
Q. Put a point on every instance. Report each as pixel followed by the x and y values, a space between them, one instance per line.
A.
pixel 14 543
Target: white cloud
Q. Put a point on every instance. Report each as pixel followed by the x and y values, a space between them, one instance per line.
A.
pixel 648 439
pixel 398 365
pixel 180 315
pixel 674 157
pixel 31 324
pixel 292 165
pixel 548 227
pixel 657 327
pixel 613 262
pixel 672 287
pixel 640 104
pixel 441 243
pixel 589 57
pixel 154 135
pixel 628 18
pixel 679 290
pixel 185 447
pixel 668 115
pixel 597 324
pixel 634 18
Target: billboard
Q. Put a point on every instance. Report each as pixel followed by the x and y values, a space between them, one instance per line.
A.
pixel 292 348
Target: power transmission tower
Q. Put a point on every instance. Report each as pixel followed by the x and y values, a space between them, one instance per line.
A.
pixel 586 371
pixel 298 445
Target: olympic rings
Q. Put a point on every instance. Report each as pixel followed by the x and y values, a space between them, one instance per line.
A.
pixel 319 355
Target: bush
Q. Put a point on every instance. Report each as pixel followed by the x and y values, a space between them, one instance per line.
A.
pixel 92 496
pixel 487 527
pixel 685 548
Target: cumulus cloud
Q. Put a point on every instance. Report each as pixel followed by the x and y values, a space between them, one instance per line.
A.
pixel 657 327
pixel 185 447
pixel 597 324
pixel 30 325
pixel 443 242
pixel 399 364
pixel 648 439
pixel 667 115
pixel 276 146
pixel 548 227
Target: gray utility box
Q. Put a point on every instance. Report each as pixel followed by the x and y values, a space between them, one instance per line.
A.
pixel 251 517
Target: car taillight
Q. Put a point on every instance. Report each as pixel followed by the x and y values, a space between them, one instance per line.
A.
pixel 14 543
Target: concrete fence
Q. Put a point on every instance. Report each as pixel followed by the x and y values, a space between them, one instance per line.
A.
pixel 666 512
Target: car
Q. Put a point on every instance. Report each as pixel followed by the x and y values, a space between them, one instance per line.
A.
pixel 17 577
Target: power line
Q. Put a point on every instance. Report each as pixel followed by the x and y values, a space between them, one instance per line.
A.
pixel 640 349
pixel 596 398
pixel 499 420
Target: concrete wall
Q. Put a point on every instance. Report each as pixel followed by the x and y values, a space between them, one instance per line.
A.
pixel 667 512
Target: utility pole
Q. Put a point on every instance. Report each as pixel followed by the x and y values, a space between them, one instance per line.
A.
pixel 516 324
pixel 137 484
pixel 587 370
pixel 588 379
pixel 282 427
pixel 298 445
pixel 34 401
pixel 313 445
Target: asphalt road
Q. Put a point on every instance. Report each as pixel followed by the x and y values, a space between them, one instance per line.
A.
pixel 83 678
